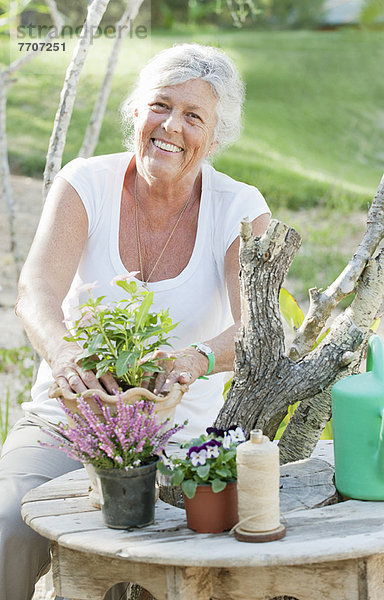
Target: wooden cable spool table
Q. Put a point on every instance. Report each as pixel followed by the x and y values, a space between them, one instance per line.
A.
pixel 333 552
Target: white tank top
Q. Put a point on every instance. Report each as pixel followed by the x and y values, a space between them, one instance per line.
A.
pixel 197 298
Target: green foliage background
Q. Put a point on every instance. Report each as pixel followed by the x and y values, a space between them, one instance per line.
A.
pixel 313 124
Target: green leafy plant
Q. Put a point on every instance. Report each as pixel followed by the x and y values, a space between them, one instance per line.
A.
pixel 120 337
pixel 210 459
pixel 18 363
pixel 4 418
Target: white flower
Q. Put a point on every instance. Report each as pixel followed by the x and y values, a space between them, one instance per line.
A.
pixel 213 451
pixel 86 318
pixel 167 461
pixel 237 435
pixel 198 458
pixel 227 441
pixel 126 277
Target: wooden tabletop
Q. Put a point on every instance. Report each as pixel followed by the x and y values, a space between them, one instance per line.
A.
pixel 60 511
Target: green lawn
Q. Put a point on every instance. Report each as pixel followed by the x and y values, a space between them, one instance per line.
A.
pixel 314 117
pixel 313 124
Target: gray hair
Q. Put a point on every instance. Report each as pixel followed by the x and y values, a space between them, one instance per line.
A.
pixel 181 63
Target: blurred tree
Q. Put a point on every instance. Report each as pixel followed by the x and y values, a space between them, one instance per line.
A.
pixel 372 12
pixel 239 13
pixel 291 13
pixel 165 13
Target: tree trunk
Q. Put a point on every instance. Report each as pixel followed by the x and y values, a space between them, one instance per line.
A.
pixel 68 94
pixel 266 380
pixel 5 185
pixel 93 130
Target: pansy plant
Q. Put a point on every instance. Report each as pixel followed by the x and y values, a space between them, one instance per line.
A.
pixel 210 459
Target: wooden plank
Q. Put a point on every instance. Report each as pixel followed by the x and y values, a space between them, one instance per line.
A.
pixel 189 583
pixel 57 506
pixel 71 485
pixel 318 535
pixel 324 451
pixel 371 584
pixel 330 581
pixel 306 484
pixel 67 522
pixel 88 577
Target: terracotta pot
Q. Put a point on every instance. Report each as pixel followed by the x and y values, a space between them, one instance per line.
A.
pixel 208 512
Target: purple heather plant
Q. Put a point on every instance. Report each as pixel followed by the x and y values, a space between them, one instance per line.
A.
pixel 126 438
pixel 210 459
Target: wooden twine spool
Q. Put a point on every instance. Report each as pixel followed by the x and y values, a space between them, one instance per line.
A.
pixel 258 483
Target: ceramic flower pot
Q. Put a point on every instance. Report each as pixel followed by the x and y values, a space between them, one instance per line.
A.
pixel 128 497
pixel 165 406
pixel 210 512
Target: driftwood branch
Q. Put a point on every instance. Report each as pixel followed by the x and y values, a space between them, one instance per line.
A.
pixel 313 413
pixel 94 126
pixel 68 94
pixel 323 303
pixel 259 355
pixel 266 381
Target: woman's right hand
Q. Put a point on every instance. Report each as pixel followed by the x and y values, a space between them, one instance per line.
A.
pixel 69 375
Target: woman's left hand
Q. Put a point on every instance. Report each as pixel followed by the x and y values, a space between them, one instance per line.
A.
pixel 183 366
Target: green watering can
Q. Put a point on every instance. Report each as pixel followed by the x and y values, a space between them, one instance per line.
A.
pixel 358 428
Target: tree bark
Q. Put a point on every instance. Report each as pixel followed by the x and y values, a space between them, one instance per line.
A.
pixel 93 130
pixel 5 185
pixel 68 94
pixel 266 380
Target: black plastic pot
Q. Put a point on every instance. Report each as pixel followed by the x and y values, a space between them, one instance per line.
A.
pixel 128 497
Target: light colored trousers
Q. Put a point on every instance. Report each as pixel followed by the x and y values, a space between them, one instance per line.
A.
pixel 24 554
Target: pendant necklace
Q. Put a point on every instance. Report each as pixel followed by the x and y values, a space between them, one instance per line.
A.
pixel 167 241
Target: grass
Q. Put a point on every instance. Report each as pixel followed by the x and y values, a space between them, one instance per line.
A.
pixel 313 119
pixel 313 124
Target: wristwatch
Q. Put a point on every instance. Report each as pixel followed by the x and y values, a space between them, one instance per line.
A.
pixel 208 352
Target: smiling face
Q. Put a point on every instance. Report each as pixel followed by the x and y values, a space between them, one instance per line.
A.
pixel 174 129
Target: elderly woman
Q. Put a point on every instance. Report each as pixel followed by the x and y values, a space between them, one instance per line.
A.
pixel 160 210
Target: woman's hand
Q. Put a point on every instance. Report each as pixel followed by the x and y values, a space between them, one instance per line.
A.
pixel 183 366
pixel 69 375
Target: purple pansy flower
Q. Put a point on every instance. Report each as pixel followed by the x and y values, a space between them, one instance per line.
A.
pixel 213 451
pixel 198 455
pixel 237 435
pixel 215 431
